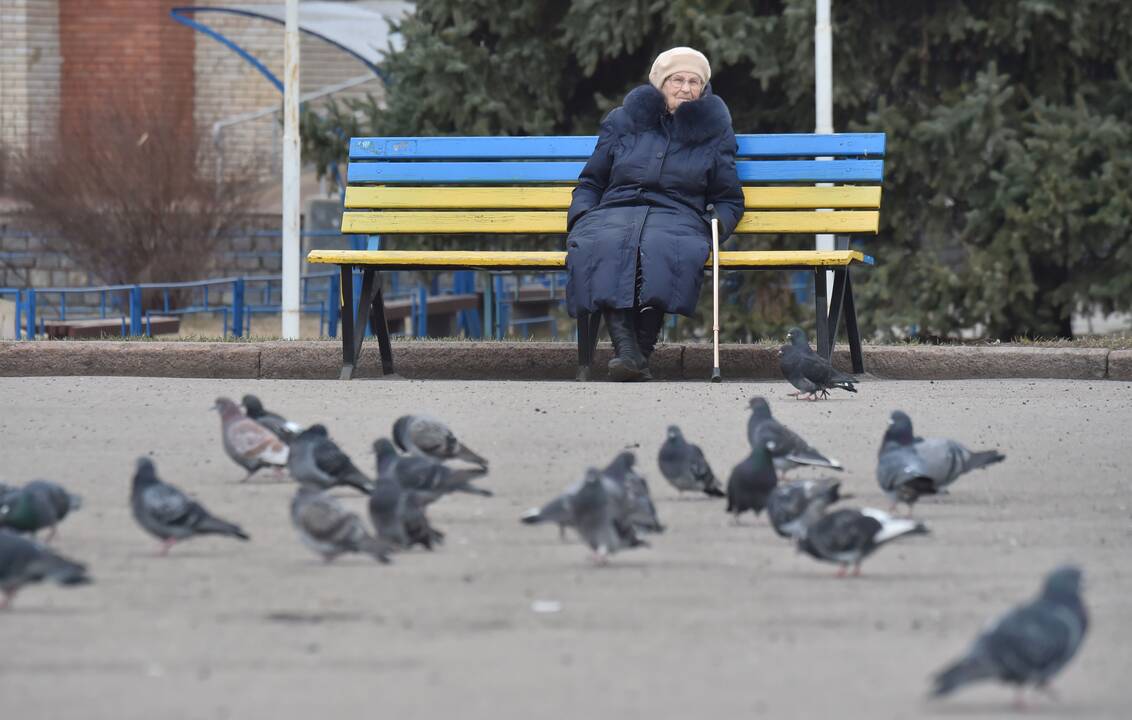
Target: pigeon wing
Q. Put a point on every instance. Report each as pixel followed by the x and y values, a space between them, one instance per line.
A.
pixel 167 505
pixel 249 439
pixel 433 437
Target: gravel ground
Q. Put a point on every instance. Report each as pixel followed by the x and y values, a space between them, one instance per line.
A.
pixel 712 620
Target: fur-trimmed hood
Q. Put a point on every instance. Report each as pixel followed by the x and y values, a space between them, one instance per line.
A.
pixel 694 122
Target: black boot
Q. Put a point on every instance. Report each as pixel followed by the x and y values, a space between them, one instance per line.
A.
pixel 628 364
pixel 649 322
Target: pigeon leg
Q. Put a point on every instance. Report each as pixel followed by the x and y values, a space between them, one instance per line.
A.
pixel 841 570
pixel 562 533
pixel 601 556
pixel 50 535
pixel 1049 692
pixel 1020 699
pixel 857 569
pixel 6 599
pixel 166 545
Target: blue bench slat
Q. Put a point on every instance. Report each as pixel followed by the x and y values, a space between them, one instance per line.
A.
pixel 551 172
pixel 580 147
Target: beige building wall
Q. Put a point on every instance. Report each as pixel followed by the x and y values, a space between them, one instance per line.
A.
pixel 29 72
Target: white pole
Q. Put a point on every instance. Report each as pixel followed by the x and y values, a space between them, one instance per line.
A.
pixel 291 169
pixel 823 103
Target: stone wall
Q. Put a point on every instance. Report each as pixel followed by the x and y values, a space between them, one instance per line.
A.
pixel 30 63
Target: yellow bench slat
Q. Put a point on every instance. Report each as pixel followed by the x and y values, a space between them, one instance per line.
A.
pixel 536 260
pixel 398 222
pixel 558 198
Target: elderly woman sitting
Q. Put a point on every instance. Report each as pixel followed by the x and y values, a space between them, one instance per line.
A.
pixel 639 229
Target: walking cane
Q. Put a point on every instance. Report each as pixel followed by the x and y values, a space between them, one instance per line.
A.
pixel 715 376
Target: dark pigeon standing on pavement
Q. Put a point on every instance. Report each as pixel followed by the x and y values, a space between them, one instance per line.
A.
pixel 398 515
pixel 685 467
pixel 1029 645
pixel 430 478
pixel 168 514
pixel 427 436
pixel 249 444
pixel 751 483
pixel 808 372
pixel 317 460
pixel 39 504
pixel 327 528
pixel 910 466
pixel 788 503
pixel 283 428
pixel 593 514
pixel 23 561
pixel 846 537
pixel 787 448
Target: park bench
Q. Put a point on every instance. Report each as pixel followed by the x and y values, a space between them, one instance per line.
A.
pixel 522 185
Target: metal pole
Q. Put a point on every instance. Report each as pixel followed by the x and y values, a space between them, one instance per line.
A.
pixel 291 168
pixel 823 98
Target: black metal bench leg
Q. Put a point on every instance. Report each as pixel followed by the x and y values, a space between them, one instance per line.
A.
pixel 380 327
pixel 850 312
pixel 365 302
pixel 821 309
pixel 347 316
pixel 835 305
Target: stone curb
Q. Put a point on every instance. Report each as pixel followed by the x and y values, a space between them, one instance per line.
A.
pixel 313 360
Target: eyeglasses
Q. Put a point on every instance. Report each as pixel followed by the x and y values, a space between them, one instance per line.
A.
pixel 693 82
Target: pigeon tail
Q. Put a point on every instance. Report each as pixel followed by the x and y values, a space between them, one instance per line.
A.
pixel 66 572
pixel 220 527
pixel 984 458
pixel 532 517
pixel 814 459
pixel 964 672
pixel 713 490
pixel 461 481
pixel 467 455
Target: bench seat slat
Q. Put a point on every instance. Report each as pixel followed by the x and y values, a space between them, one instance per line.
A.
pixel 558 198
pixel 403 222
pixel 528 260
pixel 580 146
pixel 463 173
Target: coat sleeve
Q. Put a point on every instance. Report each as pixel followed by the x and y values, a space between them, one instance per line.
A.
pixel 724 189
pixel 595 175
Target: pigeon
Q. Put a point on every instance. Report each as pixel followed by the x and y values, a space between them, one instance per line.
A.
pixel 809 372
pixel 168 514
pixel 316 460
pixel 1030 644
pixel 398 516
pixel 751 483
pixel 619 477
pixel 684 466
pixel 788 502
pixel 284 429
pixel 37 505
pixel 421 473
pixel 593 514
pixel 910 466
pixel 787 448
pixel 427 436
pixel 251 445
pixel 23 561
pixel 848 536
pixel 326 527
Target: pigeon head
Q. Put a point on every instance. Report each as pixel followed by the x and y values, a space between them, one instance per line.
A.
pixel 1064 582
pixel 400 428
pixel 227 408
pixel 797 337
pixel 386 453
pixel 314 431
pixel 252 405
pixel 674 433
pixel 624 461
pixel 145 473
pixel 899 429
pixel 760 408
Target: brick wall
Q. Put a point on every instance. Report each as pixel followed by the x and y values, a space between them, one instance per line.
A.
pixel 29 71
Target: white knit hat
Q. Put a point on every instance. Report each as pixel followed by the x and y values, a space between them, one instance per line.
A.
pixel 679 59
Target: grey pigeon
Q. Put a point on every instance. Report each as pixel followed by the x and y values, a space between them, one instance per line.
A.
pixel 1028 645
pixel 317 460
pixel 39 504
pixel 23 561
pixel 168 514
pixel 810 373
pixel 684 466
pixel 910 466
pixel 787 448
pixel 430 478
pixel 593 514
pixel 638 505
pixel 427 436
pixel 284 429
pixel 327 528
pixel 750 483
pixel 846 537
pixel 788 502
pixel 249 444
pixel 398 515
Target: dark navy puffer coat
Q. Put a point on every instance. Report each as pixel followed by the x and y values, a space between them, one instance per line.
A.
pixel 645 191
